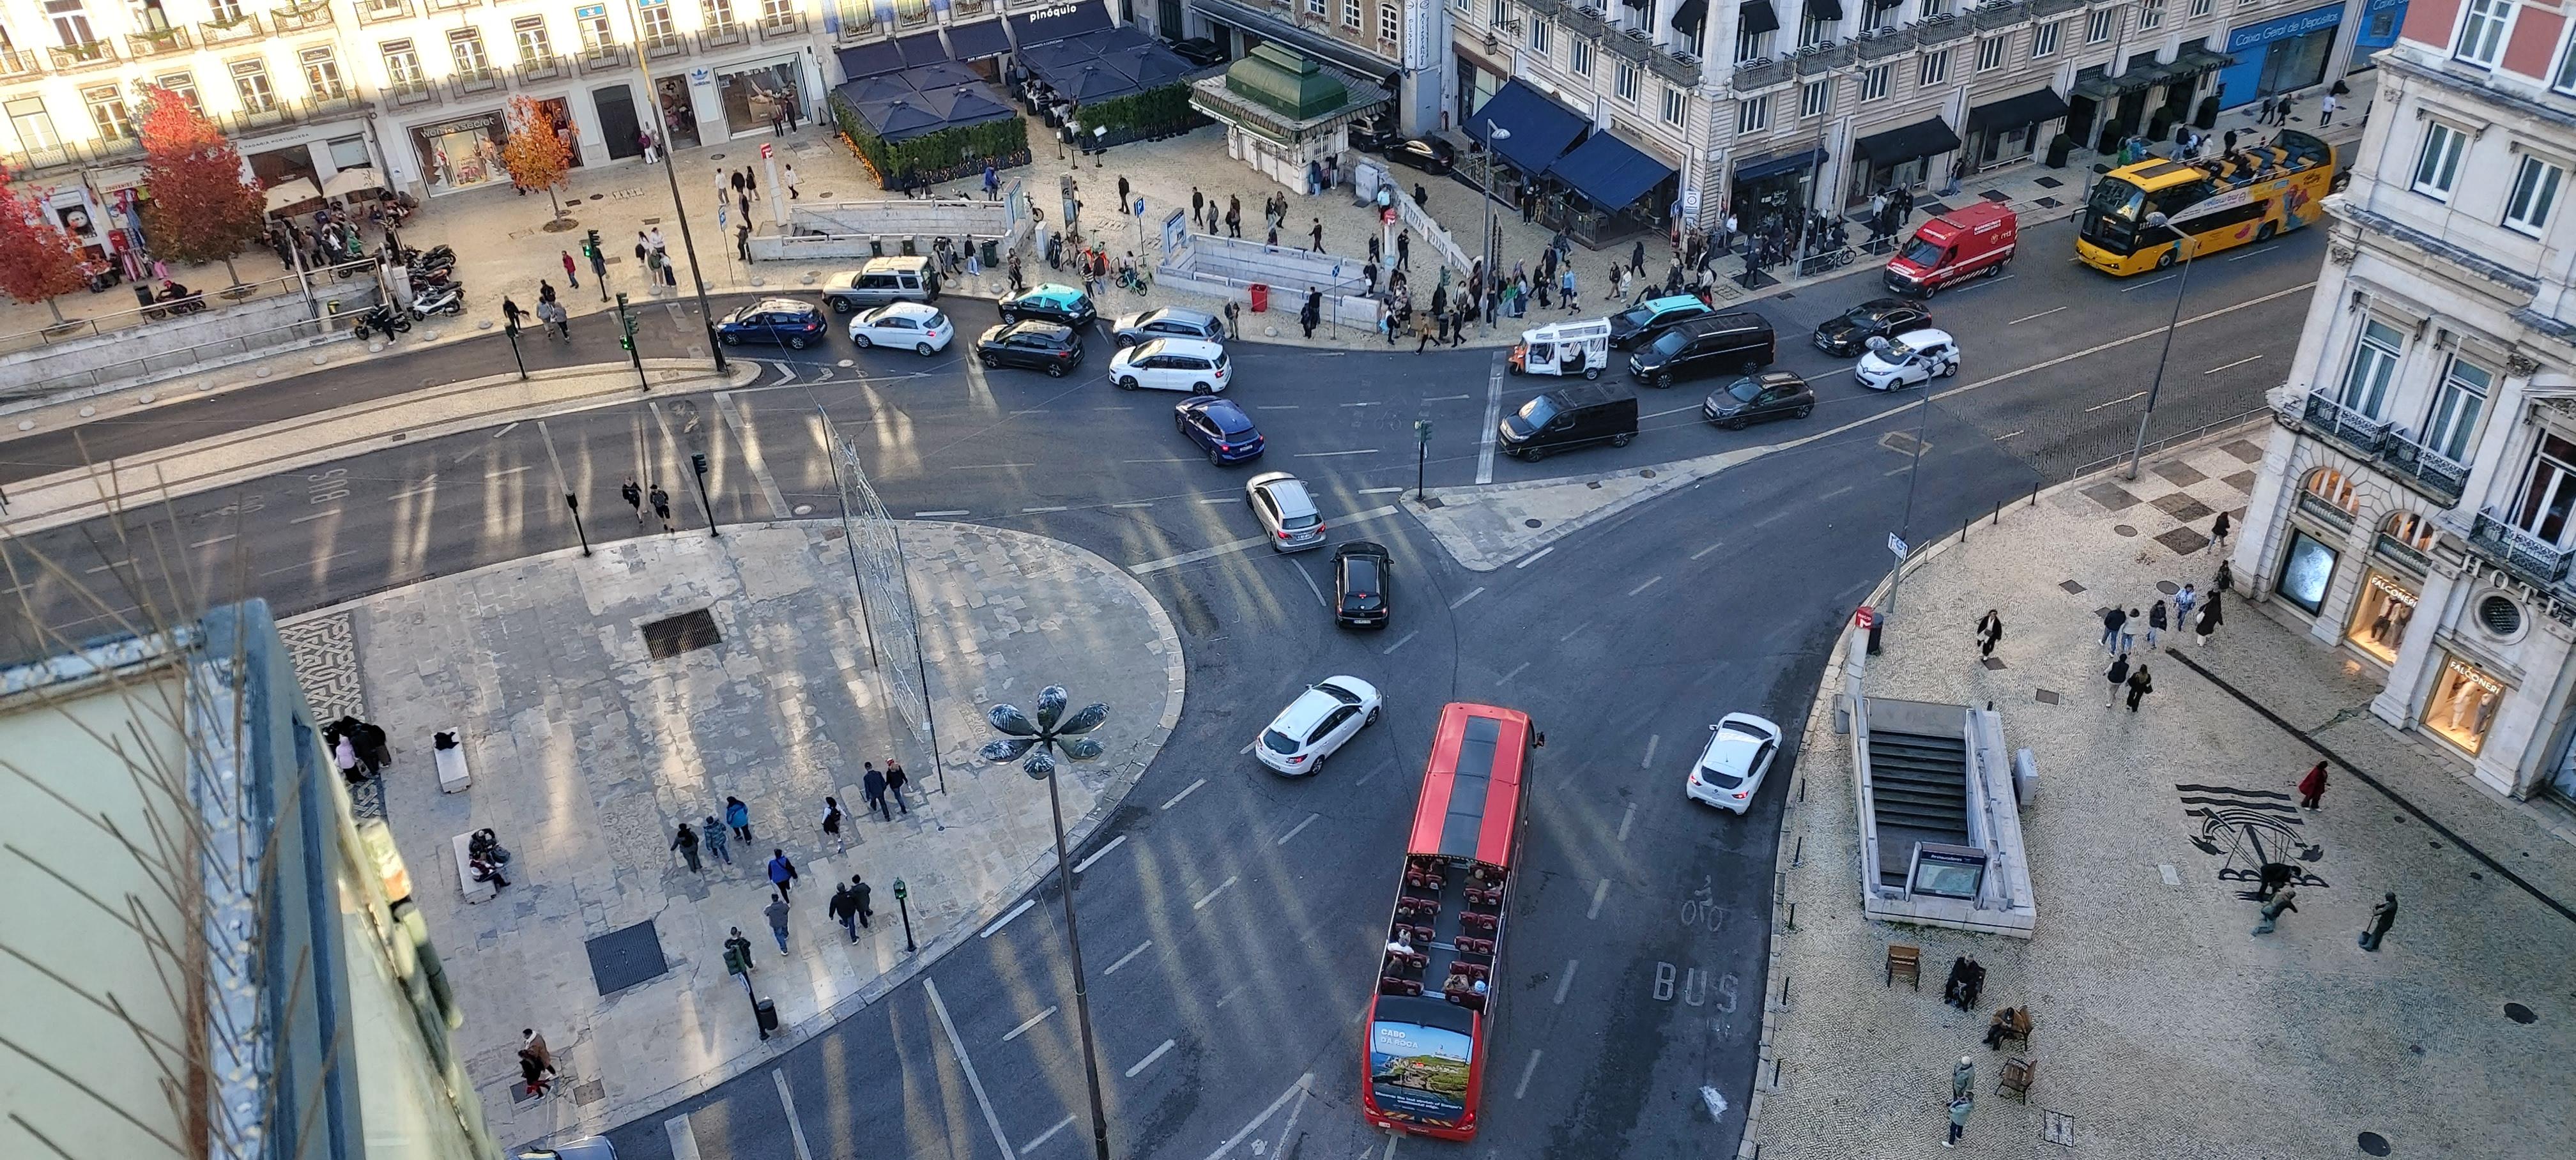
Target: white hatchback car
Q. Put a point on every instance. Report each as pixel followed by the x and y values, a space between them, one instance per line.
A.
pixel 1911 359
pixel 1172 364
pixel 1729 772
pixel 921 328
pixel 1317 723
pixel 1285 510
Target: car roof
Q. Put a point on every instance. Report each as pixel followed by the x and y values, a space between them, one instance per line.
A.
pixel 1051 290
pixel 1194 347
pixel 1924 337
pixel 1674 302
pixel 1221 409
pixel 908 309
pixel 1876 305
pixel 1287 489
pixel 1178 314
pixel 1302 713
pixel 1055 330
pixel 1360 548
pixel 784 304
pixel 1778 378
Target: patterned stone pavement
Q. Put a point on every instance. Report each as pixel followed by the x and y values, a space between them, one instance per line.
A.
pixel 587 751
pixel 2164 1028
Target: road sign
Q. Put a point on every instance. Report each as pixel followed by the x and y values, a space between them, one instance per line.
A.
pixel 1896 544
pixel 1863 615
pixel 764 150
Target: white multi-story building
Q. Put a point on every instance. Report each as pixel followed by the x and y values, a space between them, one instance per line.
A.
pixel 2417 504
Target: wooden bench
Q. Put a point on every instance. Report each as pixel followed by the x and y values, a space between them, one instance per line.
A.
pixel 1906 961
pixel 474 891
pixel 2018 1072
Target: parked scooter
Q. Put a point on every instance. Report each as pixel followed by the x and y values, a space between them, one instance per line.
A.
pixel 382 319
pixel 446 298
pixel 173 299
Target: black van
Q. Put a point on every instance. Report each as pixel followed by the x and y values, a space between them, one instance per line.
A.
pixel 1724 344
pixel 1569 416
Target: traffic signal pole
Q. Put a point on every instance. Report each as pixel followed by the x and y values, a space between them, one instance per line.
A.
pixel 626 338
pixel 598 263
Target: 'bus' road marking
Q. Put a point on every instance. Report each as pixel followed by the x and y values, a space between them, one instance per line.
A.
pixel 1472 593
pixel 795 1127
pixel 1516 671
pixel 975 1082
pixel 1493 415
pixel 1652 581
pixel 2238 363
pixel 1148 1061
pixel 1049 1134
pixel 1127 958
pixel 1100 853
pixel 1532 558
pixel 1390 649
pixel 1567 983
pixel 684 1143
pixel 2115 402
pixel 1652 740
pixel 1598 893
pixel 1210 896
pixel 1192 788
pixel 1707 550
pixel 428 483
pixel 1005 920
pixel 2028 317
pixel 2147 283
pixel 929 515
pixel 1626 819
pixel 1523 1089
pixel 1033 1021
pixel 1300 828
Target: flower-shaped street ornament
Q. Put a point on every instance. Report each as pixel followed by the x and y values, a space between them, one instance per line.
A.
pixel 1034 743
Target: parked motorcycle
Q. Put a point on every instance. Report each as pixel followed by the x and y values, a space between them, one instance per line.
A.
pixel 447 298
pixel 382 319
pixel 438 255
pixel 173 299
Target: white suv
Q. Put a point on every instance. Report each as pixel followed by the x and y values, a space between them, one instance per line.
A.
pixel 1911 359
pixel 1316 724
pixel 1286 512
pixel 913 326
pixel 1171 364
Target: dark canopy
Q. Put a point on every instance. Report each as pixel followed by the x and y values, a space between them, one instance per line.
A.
pixel 2013 112
pixel 1755 18
pixel 1827 10
pixel 1540 129
pixel 1897 146
pixel 867 60
pixel 921 48
pixel 1610 171
pixel 920 101
pixel 1032 31
pixel 978 40
pixel 1096 66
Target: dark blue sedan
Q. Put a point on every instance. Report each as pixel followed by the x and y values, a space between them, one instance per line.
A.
pixel 1219 428
pixel 782 321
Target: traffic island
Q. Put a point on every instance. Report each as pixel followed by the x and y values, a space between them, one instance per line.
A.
pixel 603 702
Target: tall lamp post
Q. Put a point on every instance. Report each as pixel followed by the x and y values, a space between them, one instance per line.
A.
pixel 1039 740
pixel 1492 251
pixel 679 208
pixel 2182 241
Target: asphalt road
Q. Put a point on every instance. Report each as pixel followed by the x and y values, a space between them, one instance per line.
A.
pixel 1241 910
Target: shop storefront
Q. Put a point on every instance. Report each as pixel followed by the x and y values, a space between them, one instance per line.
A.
pixel 2380 615
pixel 2380 20
pixel 2278 55
pixel 1902 157
pixel 1476 85
pixel 679 113
pixel 2005 131
pixel 1776 187
pixel 460 152
pixel 751 93
pixel 2463 704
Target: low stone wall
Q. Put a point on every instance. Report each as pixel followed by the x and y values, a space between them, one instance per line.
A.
pixel 224 332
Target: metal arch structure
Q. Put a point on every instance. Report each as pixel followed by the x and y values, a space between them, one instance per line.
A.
pixel 886 609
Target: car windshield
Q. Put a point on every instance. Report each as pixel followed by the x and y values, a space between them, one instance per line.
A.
pixel 1538 412
pixel 1923 254
pixel 1896 352
pixel 1280 743
pixel 1299 523
pixel 1360 575
pixel 1669 343
pixel 1338 693
pixel 1632 318
pixel 1744 390
pixel 936 321
pixel 1419 1070
pixel 1145 350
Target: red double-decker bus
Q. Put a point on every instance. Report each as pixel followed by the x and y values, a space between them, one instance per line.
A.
pixel 1440 972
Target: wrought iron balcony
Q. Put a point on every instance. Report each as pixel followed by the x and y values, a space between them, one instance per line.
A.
pixel 783 24
pixel 466 82
pixel 1884 42
pixel 664 45
pixel 382 11
pixel 16 62
pixel 1817 58
pixel 2358 433
pixel 1761 73
pixel 1942 29
pixel 1998 14
pixel 88 54
pixel 2526 556
pixel 1585 20
pixel 2425 470
pixel 302 17
pixel 243 28
pixel 2418 468
pixel 411 91
pixel 2046 8
pixel 158 42
pixel 542 68
pixel 600 58
pixel 1630 43
pixel 729 34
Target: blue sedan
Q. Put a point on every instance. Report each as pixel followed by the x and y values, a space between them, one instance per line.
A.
pixel 783 321
pixel 1052 302
pixel 1219 428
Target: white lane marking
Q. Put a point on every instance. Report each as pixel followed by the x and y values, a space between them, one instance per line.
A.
pixel 1566 983
pixel 1526 1073
pixel 1472 593
pixel 1173 459
pixel 1982 283
pixel 1139 504
pixel 427 483
pixel 1279 407
pixel 1650 582
pixel 1533 557
pixel 2028 317
pixel 1215 498
pixel 1672 411
pixel 2147 283
pixel 513 426
pixel 1844 489
pixel 991 466
pixel 202 543
pixel 1598 893
pixel 1033 1021
pixel 1577 630
pixel 2238 363
pixel 1392 1139
pixel 1032 511
pixel 931 515
pixel 975 1082
pixel 684 1143
pixel 1448 398
pixel 1100 853
pixel 1238 989
pixel 1005 920
pixel 1379 490
pixel 1227 548
pixel 1707 550
pixel 795 1127
pixel 309 563
pixel 1400 642
pixel 2115 402
pixel 1299 829
pixel 1330 454
pixel 1516 671
pixel 1127 958
pixel 1049 1134
pixel 786 374
pixel 1309 578
pixel 1192 788
pixel 1493 415
pixel 509 471
pixel 314 516
pixel 1247 748
pixel 1370 404
pixel 1210 896
pixel 2010 434
pixel 1626 820
pixel 2249 254
pixel 1149 1059
pixel 1652 740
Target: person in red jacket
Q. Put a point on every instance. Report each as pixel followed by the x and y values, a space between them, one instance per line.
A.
pixel 2312 787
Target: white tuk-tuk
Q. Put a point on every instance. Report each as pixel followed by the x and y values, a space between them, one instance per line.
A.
pixel 1566 348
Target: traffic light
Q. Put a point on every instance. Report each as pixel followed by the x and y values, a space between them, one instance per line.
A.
pixel 625 324
pixel 590 245
pixel 698 462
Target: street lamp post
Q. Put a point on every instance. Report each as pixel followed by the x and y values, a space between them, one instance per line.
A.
pixel 2182 241
pixel 1039 741
pixel 680 209
pixel 1492 250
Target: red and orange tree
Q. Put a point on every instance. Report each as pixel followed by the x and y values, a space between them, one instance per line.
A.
pixel 39 260
pixel 203 208
pixel 536 154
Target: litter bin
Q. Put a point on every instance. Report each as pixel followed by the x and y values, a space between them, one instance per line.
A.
pixel 1260 297
pixel 768 1012
pixel 992 252
pixel 876 247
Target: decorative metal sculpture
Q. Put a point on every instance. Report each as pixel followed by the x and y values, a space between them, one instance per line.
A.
pixel 1051 733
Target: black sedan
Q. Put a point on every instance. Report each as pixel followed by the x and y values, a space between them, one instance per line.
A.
pixel 1200 51
pixel 1848 334
pixel 1362 576
pixel 783 321
pixel 1428 154
pixel 1043 346
pixel 1758 399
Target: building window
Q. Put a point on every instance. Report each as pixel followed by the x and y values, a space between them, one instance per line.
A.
pixel 596 35
pixel 2482 32
pixel 1624 81
pixel 780 13
pixel 1316 8
pixel 1750 44
pixel 149 16
pixel 1873 83
pixel 250 83
pixel 1498 15
pixel 35 129
pixel 2438 166
pixel 2457 404
pixel 2099 23
pixel 719 14
pixel 652 21
pixel 2380 616
pixel 107 111
pixel 2565 80
pixel 1875 14
pixel 71 24
pixel 2463 705
pixel 2306 570
pixel 402 63
pixel 1538 32
pixel 534 44
pixel 1350 13
pixel 1816 98
pixel 1582 57
pixel 1753 115
pixel 2043 41
pixel 2548 490
pixel 2199 8
pixel 1936 69
pixel 322 74
pixel 2374 362
pixel 2151 15
pixel 1814 31
pixel 183 86
pixel 1932 8
pixel 1990 52
pixel 466 45
pixel 1458 5
pixel 1676 106
pixel 2535 193
pixel 1390 25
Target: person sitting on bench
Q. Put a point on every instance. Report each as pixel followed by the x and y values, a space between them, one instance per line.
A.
pixel 2008 1023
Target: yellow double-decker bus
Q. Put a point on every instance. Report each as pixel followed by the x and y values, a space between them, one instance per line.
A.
pixel 2247 196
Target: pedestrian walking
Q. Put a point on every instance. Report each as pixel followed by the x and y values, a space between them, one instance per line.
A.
pixel 737 815
pixel 2218 535
pixel 570 274
pixel 2118 676
pixel 533 1074
pixel 2287 899
pixel 2288 111
pixel 2382 917
pixel 533 1044
pixel 687 844
pixel 896 779
pixel 832 823
pixel 859 900
pixel 782 873
pixel 1990 629
pixel 1404 249
pixel 2210 619
pixel 788 179
pixel 344 753
pixel 1959 1108
pixel 662 508
pixel 2312 787
pixel 1963 1077
pixel 2129 630
pixel 2263 116
pixel 840 910
pixel 633 493
pixel 2112 620
pixel 711 836
pixel 1312 313
pixel 1565 287
pixel 742 240
pixel 2155 623
pixel 2326 111
pixel 553 312
pixel 1637 257
pixel 874 784
pixel 738 950
pixel 652 147
pixel 750 182
pixel 2140 684
pixel 1198 203
pixel 1317 235
pixel 2224 580
pixel 1424 330
pixel 776 912
pixel 2183 602
pixel 510 312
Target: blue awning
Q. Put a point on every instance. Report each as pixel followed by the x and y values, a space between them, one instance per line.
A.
pixel 921 48
pixel 1762 167
pixel 868 60
pixel 978 40
pixel 1540 129
pixel 1613 173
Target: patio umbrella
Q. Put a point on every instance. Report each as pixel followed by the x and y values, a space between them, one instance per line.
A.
pixel 292 192
pixel 349 181
pixel 1094 83
pixel 900 120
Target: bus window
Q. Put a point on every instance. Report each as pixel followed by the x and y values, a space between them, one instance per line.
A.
pixel 2173 201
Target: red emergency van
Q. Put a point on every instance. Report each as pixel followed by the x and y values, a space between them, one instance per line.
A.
pixel 1973 241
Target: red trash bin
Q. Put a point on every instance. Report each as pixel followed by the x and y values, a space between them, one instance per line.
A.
pixel 1260 297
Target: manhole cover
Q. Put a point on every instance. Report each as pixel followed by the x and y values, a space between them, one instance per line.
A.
pixel 2072 588
pixel 1994 664
pixel 597 196
pixel 2374 1143
pixel 1649 473
pixel 2167 587
pixel 804 509
pixel 672 636
pixel 2520 1014
pixel 1594 485
pixel 2124 530
pixel 1530 523
pixel 717 157
pixel 2046 696
pixel 623 958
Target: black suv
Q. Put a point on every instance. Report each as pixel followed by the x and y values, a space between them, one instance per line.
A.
pixel 1735 343
pixel 1361 582
pixel 1044 346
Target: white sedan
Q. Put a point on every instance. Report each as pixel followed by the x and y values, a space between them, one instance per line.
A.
pixel 1729 772
pixel 1317 723
pixel 1911 359
pixel 913 326
pixel 1171 364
